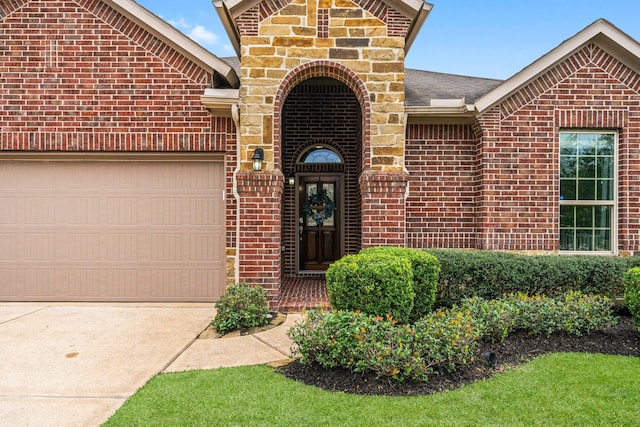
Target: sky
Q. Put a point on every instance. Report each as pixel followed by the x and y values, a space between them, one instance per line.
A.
pixel 490 38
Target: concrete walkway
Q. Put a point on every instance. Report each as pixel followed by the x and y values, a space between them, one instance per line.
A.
pixel 76 364
pixel 264 347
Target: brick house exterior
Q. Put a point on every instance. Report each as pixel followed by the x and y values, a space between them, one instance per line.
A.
pixel 544 162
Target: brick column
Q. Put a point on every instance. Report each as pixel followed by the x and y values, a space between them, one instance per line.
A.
pixel 259 238
pixel 383 208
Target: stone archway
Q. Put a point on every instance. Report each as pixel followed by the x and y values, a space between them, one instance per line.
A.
pixel 320 112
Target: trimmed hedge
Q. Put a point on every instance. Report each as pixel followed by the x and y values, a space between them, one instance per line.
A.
pixel 426 269
pixel 490 274
pixel 375 284
pixel 632 293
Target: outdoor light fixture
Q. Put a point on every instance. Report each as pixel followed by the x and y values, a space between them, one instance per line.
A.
pixel 291 180
pixel 258 157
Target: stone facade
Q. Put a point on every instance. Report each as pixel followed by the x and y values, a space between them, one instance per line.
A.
pixel 360 44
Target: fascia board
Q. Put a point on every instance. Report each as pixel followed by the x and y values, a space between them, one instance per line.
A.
pixel 601 32
pixel 174 38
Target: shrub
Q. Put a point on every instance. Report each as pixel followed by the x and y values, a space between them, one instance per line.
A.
pixel 375 284
pixel 632 293
pixel 573 313
pixel 490 274
pixel 426 269
pixel 442 340
pixel 360 342
pixel 243 306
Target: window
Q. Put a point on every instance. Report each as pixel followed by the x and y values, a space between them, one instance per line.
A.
pixel 321 155
pixel 587 191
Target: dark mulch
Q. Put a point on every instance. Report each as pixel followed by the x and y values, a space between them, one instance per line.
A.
pixel 624 340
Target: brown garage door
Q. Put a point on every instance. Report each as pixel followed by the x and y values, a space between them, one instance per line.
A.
pixel 119 229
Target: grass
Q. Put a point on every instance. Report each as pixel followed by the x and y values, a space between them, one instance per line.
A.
pixel 565 389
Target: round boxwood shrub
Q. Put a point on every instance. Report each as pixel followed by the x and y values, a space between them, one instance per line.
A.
pixel 631 282
pixel 376 284
pixel 426 269
pixel 243 306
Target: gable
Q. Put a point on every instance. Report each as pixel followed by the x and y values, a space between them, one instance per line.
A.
pixel 601 36
pixel 401 18
pixel 591 66
pixel 141 27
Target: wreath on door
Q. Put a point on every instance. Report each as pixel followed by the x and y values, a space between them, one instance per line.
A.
pixel 319 207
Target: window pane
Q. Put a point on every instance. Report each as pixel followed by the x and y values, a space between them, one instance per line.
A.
pixel 587 167
pixel 584 240
pixel 567 239
pixel 605 144
pixel 603 217
pixel 602 240
pixel 584 216
pixel 568 143
pixel 605 189
pixel 605 167
pixel 567 216
pixel 586 189
pixel 568 167
pixel 587 144
pixel 322 155
pixel 568 189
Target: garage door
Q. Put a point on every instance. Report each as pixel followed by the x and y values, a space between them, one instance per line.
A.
pixel 111 230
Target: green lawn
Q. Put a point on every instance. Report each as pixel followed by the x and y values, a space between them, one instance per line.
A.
pixel 554 390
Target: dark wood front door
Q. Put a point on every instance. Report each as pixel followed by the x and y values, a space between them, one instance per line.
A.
pixel 320 212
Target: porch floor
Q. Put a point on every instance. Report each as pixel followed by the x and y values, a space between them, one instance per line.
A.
pixel 303 293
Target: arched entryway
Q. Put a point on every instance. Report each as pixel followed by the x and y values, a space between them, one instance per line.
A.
pixel 321 141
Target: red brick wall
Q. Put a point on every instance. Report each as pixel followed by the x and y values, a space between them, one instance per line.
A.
pixel 80 76
pixel 441 160
pixel 260 229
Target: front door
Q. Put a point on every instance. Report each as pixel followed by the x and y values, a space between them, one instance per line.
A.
pixel 319 217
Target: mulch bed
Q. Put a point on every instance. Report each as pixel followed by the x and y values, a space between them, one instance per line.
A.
pixel 518 348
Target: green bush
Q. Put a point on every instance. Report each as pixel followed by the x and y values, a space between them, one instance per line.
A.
pixel 243 306
pixel 443 340
pixel 573 313
pixel 426 269
pixel 632 293
pixel 360 342
pixel 491 274
pixel 375 284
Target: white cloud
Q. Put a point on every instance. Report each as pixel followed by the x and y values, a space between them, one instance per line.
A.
pixel 197 33
pixel 203 36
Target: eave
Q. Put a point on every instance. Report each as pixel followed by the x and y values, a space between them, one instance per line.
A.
pixel 441 110
pixel 220 101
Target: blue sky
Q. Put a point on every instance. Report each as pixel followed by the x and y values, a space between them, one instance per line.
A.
pixel 491 38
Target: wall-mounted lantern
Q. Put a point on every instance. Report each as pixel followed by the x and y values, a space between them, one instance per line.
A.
pixel 258 158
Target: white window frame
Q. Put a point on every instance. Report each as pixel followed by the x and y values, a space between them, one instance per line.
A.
pixel 613 203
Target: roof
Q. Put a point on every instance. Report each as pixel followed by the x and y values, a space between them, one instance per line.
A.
pixel 448 95
pixel 229 10
pixel 423 87
pixel 174 38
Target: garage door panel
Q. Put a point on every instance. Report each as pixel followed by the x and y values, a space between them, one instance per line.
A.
pixel 112 231
pixel 9 281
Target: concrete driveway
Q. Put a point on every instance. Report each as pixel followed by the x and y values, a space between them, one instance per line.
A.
pixel 76 364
